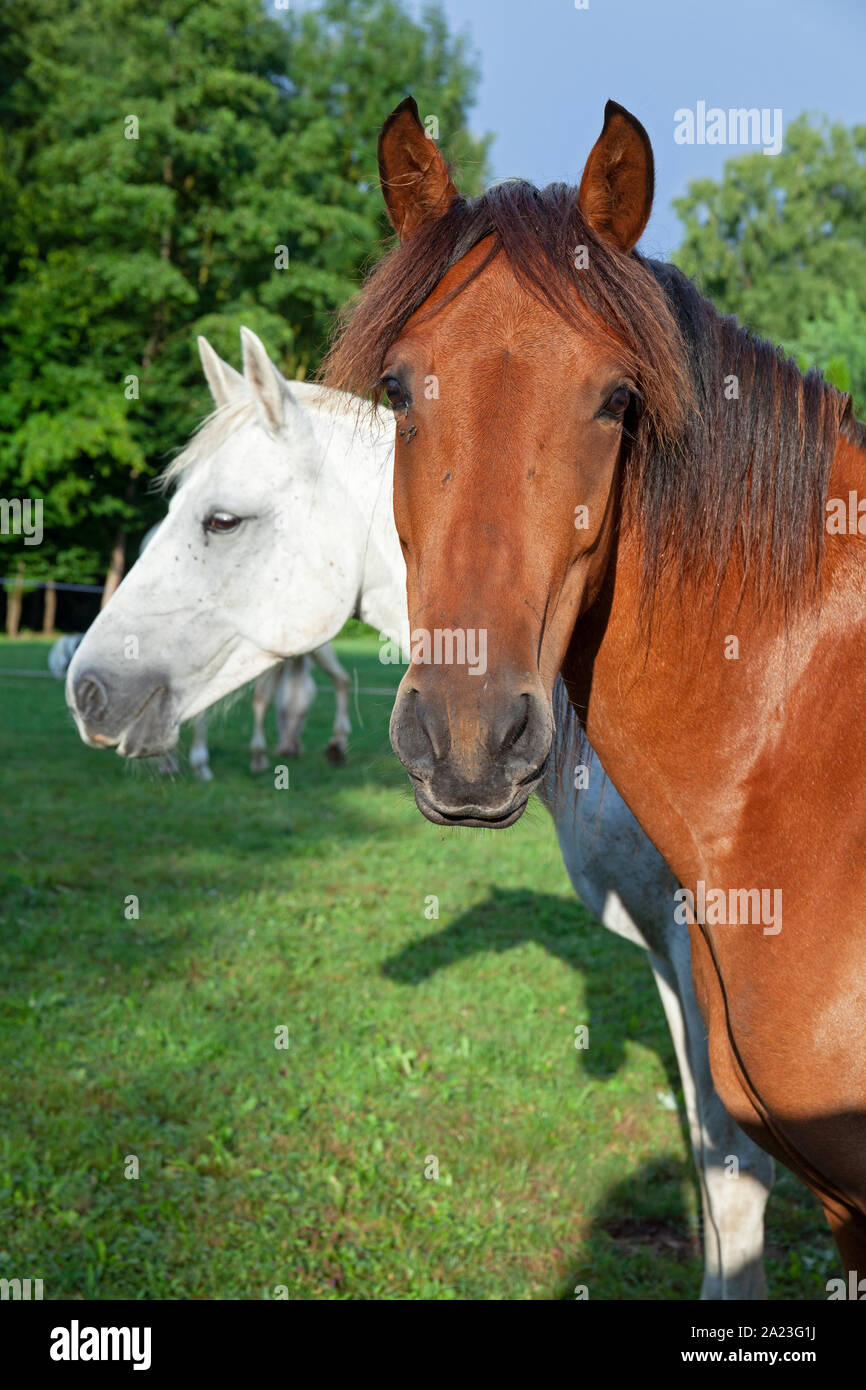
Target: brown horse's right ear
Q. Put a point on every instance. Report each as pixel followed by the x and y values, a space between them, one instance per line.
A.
pixel 616 191
pixel 415 181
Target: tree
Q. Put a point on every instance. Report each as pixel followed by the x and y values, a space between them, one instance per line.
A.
pixel 780 243
pixel 176 168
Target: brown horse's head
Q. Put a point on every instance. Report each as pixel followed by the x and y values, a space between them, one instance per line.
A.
pixel 521 344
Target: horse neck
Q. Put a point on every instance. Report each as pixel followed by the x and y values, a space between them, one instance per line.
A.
pixel 694 731
pixel 361 454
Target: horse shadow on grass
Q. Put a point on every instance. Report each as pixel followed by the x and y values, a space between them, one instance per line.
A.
pixel 621 1005
pixel 655 1254
pixel 616 978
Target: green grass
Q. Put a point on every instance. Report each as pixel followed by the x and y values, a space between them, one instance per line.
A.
pixel 409 1037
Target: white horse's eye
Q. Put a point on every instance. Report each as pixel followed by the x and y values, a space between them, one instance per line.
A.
pixel 219 523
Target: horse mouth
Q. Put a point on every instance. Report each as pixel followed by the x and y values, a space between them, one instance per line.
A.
pixel 471 816
pixel 152 730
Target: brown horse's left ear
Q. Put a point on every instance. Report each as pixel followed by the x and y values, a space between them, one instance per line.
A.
pixel 415 181
pixel 616 191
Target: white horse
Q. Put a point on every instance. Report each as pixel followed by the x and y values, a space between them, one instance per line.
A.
pixel 61 653
pixel 289 684
pixel 282 529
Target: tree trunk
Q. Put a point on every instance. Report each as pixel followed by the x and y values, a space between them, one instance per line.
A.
pixel 14 595
pixel 49 612
pixel 116 566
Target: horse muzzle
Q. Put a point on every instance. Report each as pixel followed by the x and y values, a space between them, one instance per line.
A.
pixel 137 718
pixel 473 768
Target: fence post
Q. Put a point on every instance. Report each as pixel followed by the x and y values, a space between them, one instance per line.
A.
pixel 49 612
pixel 115 566
pixel 13 603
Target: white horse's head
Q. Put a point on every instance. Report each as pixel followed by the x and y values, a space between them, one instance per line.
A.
pixel 262 555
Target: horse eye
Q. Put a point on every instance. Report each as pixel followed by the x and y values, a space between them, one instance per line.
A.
pixel 617 403
pixel 394 391
pixel 220 523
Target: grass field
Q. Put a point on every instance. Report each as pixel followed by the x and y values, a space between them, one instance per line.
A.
pixel 303 1167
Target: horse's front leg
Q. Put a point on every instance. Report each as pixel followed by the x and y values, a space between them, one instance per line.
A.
pixel 326 658
pixel 199 757
pixel 735 1175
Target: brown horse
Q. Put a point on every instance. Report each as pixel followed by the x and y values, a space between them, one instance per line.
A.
pixel 607 479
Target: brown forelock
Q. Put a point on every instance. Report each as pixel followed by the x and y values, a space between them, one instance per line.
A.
pixel 615 299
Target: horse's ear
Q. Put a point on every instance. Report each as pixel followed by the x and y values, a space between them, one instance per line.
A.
pixel 415 182
pixel 616 191
pixel 224 382
pixel 269 389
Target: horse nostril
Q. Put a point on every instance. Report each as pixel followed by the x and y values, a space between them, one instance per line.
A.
pixel 507 732
pixel 91 698
pixel 520 724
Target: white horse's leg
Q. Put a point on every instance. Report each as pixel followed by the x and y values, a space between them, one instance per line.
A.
pixel 326 658
pixel 735 1175
pixel 168 765
pixel 199 757
pixel 296 691
pixel 262 696
pixel 622 878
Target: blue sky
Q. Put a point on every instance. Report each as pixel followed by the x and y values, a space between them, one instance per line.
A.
pixel 547 70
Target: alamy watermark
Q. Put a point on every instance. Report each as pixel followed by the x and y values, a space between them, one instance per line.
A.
pixel 846 517
pixel 23 1289
pixel 77 1343
pixel 444 646
pixel 737 126
pixel 739 906
pixel 854 1289
pixel 22 516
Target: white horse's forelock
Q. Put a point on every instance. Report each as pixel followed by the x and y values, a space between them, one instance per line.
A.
pixel 213 431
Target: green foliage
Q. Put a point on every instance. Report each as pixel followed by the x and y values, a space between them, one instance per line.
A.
pixel 836 341
pixel 253 131
pixel 780 243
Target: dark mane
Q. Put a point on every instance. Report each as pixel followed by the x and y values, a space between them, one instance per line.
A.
pixel 709 474
pixel 748 475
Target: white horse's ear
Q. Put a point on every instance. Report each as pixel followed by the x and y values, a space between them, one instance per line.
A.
pixel 225 383
pixel 268 386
